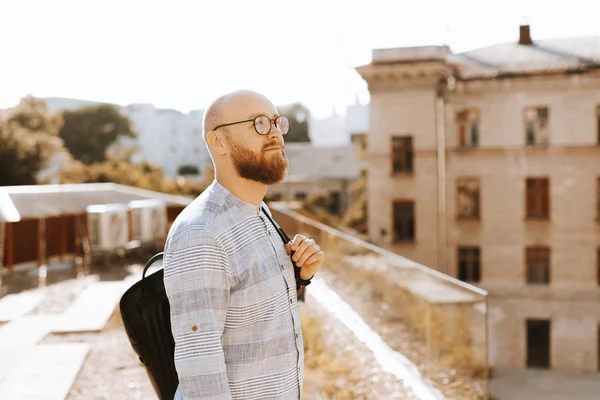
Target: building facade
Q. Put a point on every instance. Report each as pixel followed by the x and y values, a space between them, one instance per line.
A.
pixel 486 166
pixel 316 170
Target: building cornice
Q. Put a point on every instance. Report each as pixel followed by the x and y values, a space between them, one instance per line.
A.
pixel 405 74
pixel 559 81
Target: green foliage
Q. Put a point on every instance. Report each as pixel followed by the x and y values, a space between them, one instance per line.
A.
pixel 321 202
pixel 320 205
pixel 88 132
pixel 28 140
pixel 141 175
pixel 356 216
pixel 188 169
pixel 299 117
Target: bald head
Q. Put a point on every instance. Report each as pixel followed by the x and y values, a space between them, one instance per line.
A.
pixel 224 107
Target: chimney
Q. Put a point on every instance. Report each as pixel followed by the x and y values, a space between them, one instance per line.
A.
pixel 525 35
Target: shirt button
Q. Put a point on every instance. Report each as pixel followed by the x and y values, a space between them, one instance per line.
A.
pixel 194 328
pixel 291 301
pixel 282 267
pixel 269 233
pixel 296 336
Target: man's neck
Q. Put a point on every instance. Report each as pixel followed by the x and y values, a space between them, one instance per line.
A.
pixel 250 191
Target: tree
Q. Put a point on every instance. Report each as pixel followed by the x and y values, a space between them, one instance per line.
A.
pixel 28 140
pixel 356 216
pixel 144 175
pixel 188 169
pixel 299 117
pixel 122 171
pixel 90 131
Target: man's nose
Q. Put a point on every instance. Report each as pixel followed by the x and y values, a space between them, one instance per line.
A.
pixel 275 132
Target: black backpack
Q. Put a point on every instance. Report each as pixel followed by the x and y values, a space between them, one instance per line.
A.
pixel 145 312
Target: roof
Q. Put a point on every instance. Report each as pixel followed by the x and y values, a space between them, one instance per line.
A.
pixel 36 201
pixel 308 163
pixel 541 57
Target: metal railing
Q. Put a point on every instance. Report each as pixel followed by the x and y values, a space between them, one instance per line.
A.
pixel 447 316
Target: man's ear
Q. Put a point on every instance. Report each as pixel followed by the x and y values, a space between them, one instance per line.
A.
pixel 216 143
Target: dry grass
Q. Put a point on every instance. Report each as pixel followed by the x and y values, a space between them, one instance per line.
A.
pixel 338 366
pixel 438 342
pixel 327 369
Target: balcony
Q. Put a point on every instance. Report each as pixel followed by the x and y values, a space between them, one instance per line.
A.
pixel 437 322
pixel 377 325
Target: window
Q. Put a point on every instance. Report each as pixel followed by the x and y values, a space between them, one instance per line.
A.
pixel 467 191
pixel 404 221
pixel 469 264
pixel 538 264
pixel 536 125
pixel 468 127
pixel 537 198
pixel 402 154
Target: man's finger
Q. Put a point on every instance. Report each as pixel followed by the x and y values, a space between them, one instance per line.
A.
pixel 297 241
pixel 302 248
pixel 319 256
pixel 308 252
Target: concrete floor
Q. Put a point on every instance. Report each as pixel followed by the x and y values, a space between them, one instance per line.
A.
pixel 544 385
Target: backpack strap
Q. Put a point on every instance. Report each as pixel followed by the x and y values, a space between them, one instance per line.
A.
pixel 286 239
pixel 151 261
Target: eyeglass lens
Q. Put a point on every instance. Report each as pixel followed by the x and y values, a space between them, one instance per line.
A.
pixel 262 124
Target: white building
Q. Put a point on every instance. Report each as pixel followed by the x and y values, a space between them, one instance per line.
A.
pixel 166 138
pixel 337 130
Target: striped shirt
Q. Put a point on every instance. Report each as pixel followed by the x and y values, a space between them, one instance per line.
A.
pixel 234 307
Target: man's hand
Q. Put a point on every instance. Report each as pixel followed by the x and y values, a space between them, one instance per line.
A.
pixel 307 255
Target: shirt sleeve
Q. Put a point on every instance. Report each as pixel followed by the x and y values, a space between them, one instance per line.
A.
pixel 197 280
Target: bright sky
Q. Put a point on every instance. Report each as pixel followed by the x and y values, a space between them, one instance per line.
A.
pixel 180 54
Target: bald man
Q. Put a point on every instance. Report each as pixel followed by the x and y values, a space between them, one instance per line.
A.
pixel 228 276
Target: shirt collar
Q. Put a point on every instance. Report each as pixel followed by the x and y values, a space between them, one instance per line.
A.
pixel 231 198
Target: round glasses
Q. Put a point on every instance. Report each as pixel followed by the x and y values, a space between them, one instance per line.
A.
pixel 262 124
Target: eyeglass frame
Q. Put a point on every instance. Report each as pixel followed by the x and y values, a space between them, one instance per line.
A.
pixel 253 120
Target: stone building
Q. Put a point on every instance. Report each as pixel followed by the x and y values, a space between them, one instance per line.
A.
pixel 486 166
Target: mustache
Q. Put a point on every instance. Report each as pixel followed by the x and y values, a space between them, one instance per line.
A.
pixel 273 144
